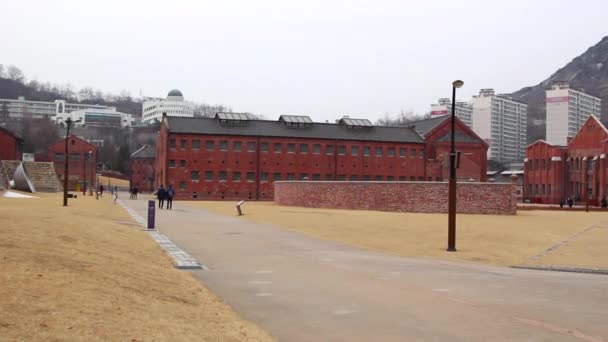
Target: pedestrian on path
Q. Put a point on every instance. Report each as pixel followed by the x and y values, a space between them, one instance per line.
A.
pixel 170 194
pixel 160 194
pixel 604 202
pixel 115 196
pixel 562 203
pixel 100 190
pixel 570 202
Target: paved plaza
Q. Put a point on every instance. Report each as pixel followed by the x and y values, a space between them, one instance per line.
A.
pixel 303 289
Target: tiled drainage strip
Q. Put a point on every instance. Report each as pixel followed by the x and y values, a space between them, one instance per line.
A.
pixel 181 259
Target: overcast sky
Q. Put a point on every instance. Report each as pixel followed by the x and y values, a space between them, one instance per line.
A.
pixel 319 58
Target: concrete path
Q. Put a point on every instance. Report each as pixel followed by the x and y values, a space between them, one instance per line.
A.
pixel 303 289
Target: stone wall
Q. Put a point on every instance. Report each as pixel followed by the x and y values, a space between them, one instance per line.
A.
pixel 417 197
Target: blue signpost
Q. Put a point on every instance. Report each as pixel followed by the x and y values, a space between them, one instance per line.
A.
pixel 151 214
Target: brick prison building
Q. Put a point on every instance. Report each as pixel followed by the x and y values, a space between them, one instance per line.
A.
pixel 553 172
pixel 142 168
pixel 82 162
pixel 233 156
pixel 10 145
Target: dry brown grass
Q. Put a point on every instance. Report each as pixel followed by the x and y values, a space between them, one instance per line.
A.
pixel 113 182
pixel 500 240
pixel 87 273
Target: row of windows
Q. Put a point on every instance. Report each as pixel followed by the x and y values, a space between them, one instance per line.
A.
pixel 237 176
pixel 539 189
pixel 302 148
pixel 73 156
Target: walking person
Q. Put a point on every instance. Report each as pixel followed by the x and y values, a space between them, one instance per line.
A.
pixel 570 202
pixel 562 203
pixel 170 194
pixel 160 194
pixel 100 190
pixel 135 192
pixel 604 202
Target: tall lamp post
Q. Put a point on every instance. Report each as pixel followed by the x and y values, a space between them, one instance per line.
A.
pixel 452 182
pixel 68 123
pixel 90 175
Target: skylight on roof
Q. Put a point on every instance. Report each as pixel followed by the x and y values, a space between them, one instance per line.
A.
pixel 356 122
pixel 232 116
pixel 298 119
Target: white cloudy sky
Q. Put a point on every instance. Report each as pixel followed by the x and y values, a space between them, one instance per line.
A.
pixel 323 58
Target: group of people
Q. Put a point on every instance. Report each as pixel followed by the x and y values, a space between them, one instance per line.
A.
pixel 133 191
pixel 165 195
pixel 570 202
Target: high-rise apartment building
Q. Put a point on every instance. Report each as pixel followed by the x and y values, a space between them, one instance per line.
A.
pixel 464 110
pixel 567 110
pixel 501 122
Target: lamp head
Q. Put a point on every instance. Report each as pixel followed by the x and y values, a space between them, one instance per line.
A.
pixel 457 84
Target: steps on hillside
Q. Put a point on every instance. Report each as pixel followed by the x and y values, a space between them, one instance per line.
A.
pixel 43 176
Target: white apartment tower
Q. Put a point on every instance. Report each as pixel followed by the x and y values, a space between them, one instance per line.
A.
pixel 501 122
pixel 567 111
pixel 463 110
pixel 173 105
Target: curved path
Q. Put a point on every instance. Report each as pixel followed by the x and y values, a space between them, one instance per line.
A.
pixel 302 289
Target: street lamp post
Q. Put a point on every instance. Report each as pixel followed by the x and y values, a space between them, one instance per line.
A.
pixel 452 182
pixel 91 170
pixel 68 123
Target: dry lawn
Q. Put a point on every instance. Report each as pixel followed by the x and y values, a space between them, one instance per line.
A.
pixel 493 239
pixel 113 182
pixel 87 273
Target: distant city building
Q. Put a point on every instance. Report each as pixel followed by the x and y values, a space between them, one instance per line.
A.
pixel 567 111
pixel 21 108
pixel 97 117
pixel 464 110
pixel 173 105
pixel 502 123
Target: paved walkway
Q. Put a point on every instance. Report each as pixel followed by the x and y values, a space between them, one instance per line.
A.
pixel 303 289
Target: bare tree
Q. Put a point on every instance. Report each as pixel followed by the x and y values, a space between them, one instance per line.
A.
pixel 15 74
pixel 2 71
pixel 402 119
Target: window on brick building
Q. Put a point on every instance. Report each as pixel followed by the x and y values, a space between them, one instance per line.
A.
pixel 316 148
pixel 291 148
pixel 303 148
pixel 264 176
pixel 171 162
pixel 251 146
pixel 378 151
pixel 183 144
pixel 74 156
pixel 316 177
pixel 543 189
pixel 536 189
pixel 182 185
pixel 236 146
pixel 278 147
pixel 250 176
pixel 544 163
pixel 59 156
pixel 223 145
pixel 412 178
pixel 548 189
pixel 182 163
pixel 412 152
pixel 341 177
pixel 236 176
pixel 354 178
pixel 354 150
pixel 402 152
pixel 196 144
pixel 303 176
pixel 194 175
pixel 378 178
pixel 171 143
pixel 264 147
pixel 390 152
pixel 341 150
pixel 210 145
pixel 367 178
pixel 402 178
pixel 208 176
pixel 329 177
pixel 290 176
pixel 223 175
pixel 276 176
pixel 390 178
pixel 366 150
pixel 421 153
pixel 329 149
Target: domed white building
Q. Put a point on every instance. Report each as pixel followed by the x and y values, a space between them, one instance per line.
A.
pixel 173 105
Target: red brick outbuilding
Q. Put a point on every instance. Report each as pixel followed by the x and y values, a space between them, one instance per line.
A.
pixel 82 161
pixel 11 145
pixel 142 164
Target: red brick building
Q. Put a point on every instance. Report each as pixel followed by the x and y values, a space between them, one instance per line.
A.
pixel 142 164
pixel 82 161
pixel 553 173
pixel 10 145
pixel 233 156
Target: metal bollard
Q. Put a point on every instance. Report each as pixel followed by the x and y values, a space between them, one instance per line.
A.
pixel 151 214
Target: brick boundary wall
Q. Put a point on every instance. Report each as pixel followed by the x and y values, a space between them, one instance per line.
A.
pixel 415 197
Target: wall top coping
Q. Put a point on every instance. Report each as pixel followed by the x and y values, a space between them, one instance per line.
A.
pixel 389 182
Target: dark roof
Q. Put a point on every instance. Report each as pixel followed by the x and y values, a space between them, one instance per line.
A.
pixel 146 151
pixel 11 133
pixel 459 137
pixel 426 125
pixel 175 92
pixel 266 128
